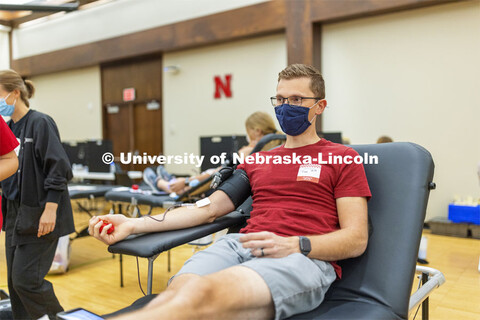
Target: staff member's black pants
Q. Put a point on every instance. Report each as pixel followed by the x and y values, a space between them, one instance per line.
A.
pixel 31 295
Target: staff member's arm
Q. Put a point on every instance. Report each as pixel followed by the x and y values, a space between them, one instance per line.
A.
pixel 56 167
pixel 8 165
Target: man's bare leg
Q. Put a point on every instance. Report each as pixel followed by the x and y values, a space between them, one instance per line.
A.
pixel 233 293
pixel 171 290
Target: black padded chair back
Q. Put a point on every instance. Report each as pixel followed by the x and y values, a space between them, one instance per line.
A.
pixel 268 138
pixel 377 285
pixel 122 179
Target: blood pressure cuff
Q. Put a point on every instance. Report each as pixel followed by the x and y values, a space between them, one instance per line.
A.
pixel 237 187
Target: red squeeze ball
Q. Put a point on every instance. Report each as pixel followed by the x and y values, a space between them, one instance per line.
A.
pixel 105 223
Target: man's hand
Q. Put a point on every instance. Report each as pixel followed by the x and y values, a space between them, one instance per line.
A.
pixel 48 219
pixel 273 246
pixel 123 228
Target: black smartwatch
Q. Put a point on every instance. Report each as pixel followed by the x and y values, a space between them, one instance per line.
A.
pixel 305 245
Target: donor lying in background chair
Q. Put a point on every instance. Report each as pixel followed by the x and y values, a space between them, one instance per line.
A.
pixel 375 285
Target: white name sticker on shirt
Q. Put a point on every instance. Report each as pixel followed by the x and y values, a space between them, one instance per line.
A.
pixel 309 172
pixel 17 149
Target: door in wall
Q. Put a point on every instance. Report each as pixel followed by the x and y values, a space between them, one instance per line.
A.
pixel 132 112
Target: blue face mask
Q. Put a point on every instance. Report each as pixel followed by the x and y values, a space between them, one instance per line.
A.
pixel 6 110
pixel 293 120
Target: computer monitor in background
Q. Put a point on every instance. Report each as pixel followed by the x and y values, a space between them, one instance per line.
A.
pixel 76 152
pixel 335 137
pixel 214 146
pixel 82 153
pixel 71 150
pixel 94 152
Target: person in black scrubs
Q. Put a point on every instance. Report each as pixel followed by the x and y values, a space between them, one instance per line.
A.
pixel 35 202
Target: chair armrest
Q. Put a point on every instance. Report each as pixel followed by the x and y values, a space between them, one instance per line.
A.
pixel 87 191
pixel 435 280
pixel 144 199
pixel 151 244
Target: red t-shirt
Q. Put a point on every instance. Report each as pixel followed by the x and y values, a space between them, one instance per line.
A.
pixel 292 198
pixel 8 143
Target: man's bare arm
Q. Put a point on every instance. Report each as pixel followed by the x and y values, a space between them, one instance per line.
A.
pixel 184 217
pixel 348 242
pixel 351 240
pixel 181 218
pixel 8 165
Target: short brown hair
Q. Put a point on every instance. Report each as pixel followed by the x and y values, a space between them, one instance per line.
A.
pixel 295 71
pixel 11 80
pixel 384 139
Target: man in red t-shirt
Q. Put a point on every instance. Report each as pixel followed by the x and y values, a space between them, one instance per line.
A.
pixel 309 210
pixel 8 157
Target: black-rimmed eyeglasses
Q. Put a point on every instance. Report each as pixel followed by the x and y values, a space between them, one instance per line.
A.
pixel 294 101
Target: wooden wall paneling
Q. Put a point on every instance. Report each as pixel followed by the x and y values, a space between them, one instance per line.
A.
pixel 142 128
pixel 255 20
pixel 317 45
pixel 303 39
pixel 251 21
pixel 317 62
pixel 333 11
pixel 147 131
pixel 144 74
pixel 299 32
pixel 118 128
pixel 261 19
pixel 131 131
pixel 147 77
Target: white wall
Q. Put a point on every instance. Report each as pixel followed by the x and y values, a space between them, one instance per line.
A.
pixel 190 110
pixel 4 48
pixel 414 76
pixel 73 100
pixel 110 20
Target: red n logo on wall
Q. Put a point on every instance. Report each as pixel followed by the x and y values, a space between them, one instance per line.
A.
pixel 223 86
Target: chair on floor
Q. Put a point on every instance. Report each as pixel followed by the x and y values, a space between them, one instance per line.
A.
pixel 376 285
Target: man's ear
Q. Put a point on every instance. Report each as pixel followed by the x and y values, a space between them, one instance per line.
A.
pixel 321 105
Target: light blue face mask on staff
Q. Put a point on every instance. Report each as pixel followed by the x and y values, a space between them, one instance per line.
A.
pixel 6 110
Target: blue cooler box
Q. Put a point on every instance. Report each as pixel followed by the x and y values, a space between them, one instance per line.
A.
pixel 465 214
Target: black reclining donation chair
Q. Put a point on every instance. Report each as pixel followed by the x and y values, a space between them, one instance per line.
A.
pixel 376 285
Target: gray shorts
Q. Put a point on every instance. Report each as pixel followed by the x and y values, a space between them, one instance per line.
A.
pixel 297 283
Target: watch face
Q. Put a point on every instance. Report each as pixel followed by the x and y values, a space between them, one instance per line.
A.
pixel 305 246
